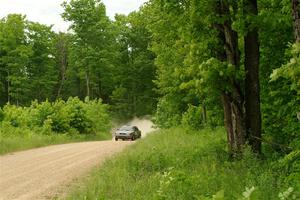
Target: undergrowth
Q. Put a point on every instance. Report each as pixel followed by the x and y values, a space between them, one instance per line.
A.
pixel 181 164
pixel 57 122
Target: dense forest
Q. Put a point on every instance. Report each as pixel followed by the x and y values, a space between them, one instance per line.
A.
pixel 192 62
pixel 98 59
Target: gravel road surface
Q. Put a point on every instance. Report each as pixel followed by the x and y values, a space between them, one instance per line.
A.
pixel 48 172
pixel 44 173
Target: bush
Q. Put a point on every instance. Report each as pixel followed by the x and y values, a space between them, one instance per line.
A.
pixel 72 116
pixel 78 116
pixel 60 118
pixel 1 115
pixel 97 114
pixel 39 125
pixel 16 116
pixel 183 164
pixel 193 117
pixel 40 112
pixel 168 113
pixel 290 167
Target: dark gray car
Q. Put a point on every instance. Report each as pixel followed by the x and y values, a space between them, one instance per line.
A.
pixel 128 132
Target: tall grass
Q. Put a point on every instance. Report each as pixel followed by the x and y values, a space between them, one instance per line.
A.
pixel 23 139
pixel 180 164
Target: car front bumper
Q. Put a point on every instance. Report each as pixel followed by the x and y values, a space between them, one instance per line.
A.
pixel 123 136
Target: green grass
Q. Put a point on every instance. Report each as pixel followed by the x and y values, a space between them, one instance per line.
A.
pixel 180 164
pixel 17 139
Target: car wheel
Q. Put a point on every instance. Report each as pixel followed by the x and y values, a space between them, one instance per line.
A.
pixel 132 138
pixel 116 139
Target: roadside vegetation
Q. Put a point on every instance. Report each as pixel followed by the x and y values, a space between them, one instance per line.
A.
pixel 184 164
pixel 47 123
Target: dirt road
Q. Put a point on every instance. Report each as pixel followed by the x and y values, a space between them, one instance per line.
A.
pixel 46 173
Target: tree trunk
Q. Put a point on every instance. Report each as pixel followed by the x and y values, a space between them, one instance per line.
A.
pixel 79 89
pixel 61 84
pixel 8 86
pixel 99 86
pixel 62 62
pixel 252 87
pixel 62 68
pixel 5 95
pixel 87 79
pixel 296 19
pixel 237 100
pixel 238 125
pixel 233 102
pixel 228 122
pixel 204 113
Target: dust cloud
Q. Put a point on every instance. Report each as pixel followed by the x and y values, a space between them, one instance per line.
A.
pixel 144 124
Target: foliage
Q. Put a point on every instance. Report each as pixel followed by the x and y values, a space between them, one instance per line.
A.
pixel 193 117
pixel 15 53
pixel 181 164
pixel 290 166
pixel 26 60
pixel 194 66
pixel 1 115
pixel 280 116
pixel 95 59
pixel 168 112
pixel 291 70
pixel 62 117
pixel 133 94
pixel 97 114
pixel 42 123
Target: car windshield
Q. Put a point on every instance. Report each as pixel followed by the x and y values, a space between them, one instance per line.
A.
pixel 126 128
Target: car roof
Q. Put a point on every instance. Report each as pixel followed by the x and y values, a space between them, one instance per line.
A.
pixel 128 126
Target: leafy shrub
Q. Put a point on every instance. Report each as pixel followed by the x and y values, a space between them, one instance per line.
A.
pixel 40 112
pixel 16 116
pixel 73 116
pixel 78 115
pixel 168 113
pixel 183 164
pixel 214 118
pixel 97 114
pixel 280 112
pixel 290 70
pixel 60 117
pixel 1 115
pixel 193 117
pixel 39 125
pixel 290 167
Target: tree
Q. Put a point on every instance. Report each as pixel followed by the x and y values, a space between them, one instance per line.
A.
pixel 133 93
pixel 15 53
pixel 296 19
pixel 211 49
pixel 90 24
pixel 62 42
pixel 41 70
pixel 252 84
pixel 287 76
